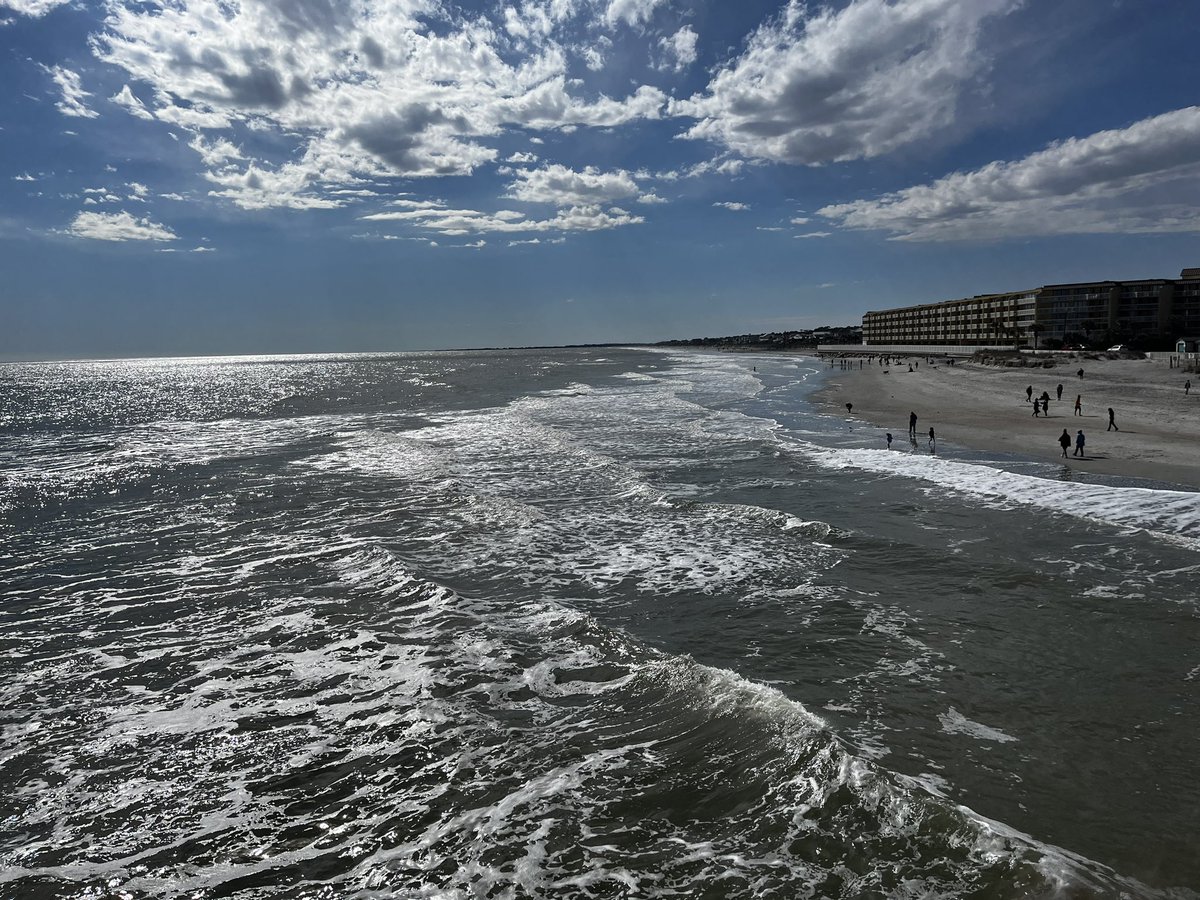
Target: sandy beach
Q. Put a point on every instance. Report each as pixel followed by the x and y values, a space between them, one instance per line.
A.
pixel 984 407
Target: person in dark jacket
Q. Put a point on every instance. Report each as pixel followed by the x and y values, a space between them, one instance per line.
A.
pixel 1064 440
pixel 1112 421
pixel 1079 441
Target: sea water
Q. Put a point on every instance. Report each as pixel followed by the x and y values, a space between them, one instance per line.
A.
pixel 596 623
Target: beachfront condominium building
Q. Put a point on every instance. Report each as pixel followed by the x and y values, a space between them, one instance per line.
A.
pixel 1086 311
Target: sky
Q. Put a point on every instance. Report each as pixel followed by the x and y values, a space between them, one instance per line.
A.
pixel 183 177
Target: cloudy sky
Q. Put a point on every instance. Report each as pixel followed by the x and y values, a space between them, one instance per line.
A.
pixel 229 176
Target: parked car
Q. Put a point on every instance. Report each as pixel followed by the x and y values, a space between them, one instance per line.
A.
pixel 1119 348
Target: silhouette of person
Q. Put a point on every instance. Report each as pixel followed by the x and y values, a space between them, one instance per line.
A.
pixel 1029 393
pixel 1079 441
pixel 1079 404
pixel 932 441
pixel 1080 373
pixel 1112 421
pixel 1037 408
pixel 912 425
pixel 889 440
pixel 1060 392
pixel 849 407
pixel 1064 441
pixel 1187 386
pixel 1046 407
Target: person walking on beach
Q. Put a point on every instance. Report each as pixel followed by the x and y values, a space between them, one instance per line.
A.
pixel 1064 441
pixel 889 440
pixel 1079 404
pixel 849 408
pixel 912 425
pixel 1187 386
pixel 1079 441
pixel 1112 421
pixel 1046 407
pixel 1029 393
pixel 932 441
pixel 1060 392
pixel 1080 373
pixel 1037 408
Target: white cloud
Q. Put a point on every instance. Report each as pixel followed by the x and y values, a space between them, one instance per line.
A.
pixel 1143 178
pixel 138 189
pixel 126 98
pixel 813 234
pixel 801 220
pixel 733 205
pixel 73 95
pixel 215 152
pixel 719 166
pixel 454 222
pixel 522 158
pixel 371 90
pixel 33 8
pixel 680 48
pixel 118 227
pixel 594 58
pixel 842 84
pixel 631 12
pixel 24 177
pixel 562 186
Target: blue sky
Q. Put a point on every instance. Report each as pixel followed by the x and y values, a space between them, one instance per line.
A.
pixel 242 176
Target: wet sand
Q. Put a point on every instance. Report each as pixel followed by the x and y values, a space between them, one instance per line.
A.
pixel 984 408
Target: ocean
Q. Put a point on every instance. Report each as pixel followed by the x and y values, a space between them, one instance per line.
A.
pixel 573 623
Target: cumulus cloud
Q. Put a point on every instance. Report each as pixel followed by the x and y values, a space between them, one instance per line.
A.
pixel 73 95
pixel 563 186
pixel 33 8
pixel 372 90
pixel 119 226
pixel 842 84
pixel 733 205
pixel 1142 178
pixel 631 12
pixel 680 48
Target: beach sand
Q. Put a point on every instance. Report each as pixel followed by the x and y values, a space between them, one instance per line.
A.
pixel 982 407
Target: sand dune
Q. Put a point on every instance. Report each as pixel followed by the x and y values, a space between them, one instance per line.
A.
pixel 984 407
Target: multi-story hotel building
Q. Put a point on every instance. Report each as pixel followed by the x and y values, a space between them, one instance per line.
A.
pixel 1163 307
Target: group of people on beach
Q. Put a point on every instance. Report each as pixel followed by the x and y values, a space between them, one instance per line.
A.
pixel 912 434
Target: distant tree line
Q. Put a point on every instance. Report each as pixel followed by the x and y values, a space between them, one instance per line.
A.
pixel 775 340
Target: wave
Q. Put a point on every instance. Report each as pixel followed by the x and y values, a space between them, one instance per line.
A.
pixel 1174 514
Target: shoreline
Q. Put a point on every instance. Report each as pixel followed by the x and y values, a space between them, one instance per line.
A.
pixel 984 408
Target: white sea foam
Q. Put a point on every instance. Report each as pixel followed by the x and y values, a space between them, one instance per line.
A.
pixel 1171 513
pixel 954 722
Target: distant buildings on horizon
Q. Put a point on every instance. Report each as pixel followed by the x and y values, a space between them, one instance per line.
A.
pixel 1144 313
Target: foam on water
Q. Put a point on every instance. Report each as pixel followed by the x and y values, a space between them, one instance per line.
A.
pixel 1174 514
pixel 349 654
